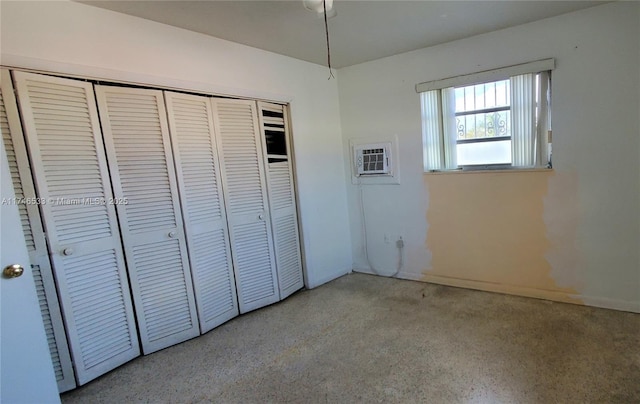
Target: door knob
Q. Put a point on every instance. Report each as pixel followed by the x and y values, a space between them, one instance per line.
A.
pixel 13 271
pixel 261 216
pixel 67 251
pixel 172 234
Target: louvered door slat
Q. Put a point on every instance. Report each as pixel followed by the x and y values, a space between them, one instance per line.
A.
pixel 13 159
pixel 15 148
pixel 83 246
pixel 140 158
pixel 197 166
pixel 282 202
pixel 242 167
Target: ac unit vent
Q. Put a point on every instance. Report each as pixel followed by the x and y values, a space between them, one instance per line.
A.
pixel 373 159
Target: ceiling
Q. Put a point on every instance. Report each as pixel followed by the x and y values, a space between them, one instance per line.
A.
pixel 361 31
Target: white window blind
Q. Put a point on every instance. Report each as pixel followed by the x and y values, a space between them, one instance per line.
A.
pixel 432 130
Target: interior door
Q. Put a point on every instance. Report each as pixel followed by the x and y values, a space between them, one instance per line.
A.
pixel 34 234
pixel 197 169
pixel 243 177
pixel 69 167
pixel 26 371
pixel 274 125
pixel 136 134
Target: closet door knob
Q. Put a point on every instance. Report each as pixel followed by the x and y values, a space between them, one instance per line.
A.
pixel 13 271
pixel 172 234
pixel 67 251
pixel 261 216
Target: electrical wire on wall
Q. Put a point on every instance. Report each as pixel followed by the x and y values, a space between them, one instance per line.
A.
pixel 399 243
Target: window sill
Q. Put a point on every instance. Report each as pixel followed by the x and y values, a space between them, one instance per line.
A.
pixel 494 171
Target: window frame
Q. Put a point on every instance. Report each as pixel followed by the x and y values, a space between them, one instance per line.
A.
pixel 487 76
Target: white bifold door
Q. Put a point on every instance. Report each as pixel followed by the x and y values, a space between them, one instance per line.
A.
pixel 23 186
pixel 69 167
pixel 138 146
pixel 196 157
pixel 150 216
pixel 274 126
pixel 243 177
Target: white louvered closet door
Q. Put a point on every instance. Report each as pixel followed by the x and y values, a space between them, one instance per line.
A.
pixel 34 235
pixel 243 180
pixel 71 176
pixel 197 169
pixel 282 199
pixel 136 135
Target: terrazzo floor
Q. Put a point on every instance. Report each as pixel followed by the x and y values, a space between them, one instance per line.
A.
pixel 367 339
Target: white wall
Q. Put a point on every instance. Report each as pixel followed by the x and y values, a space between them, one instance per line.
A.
pixel 589 205
pixel 78 39
pixel 584 241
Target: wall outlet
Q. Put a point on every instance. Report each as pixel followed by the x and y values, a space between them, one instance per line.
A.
pixel 392 238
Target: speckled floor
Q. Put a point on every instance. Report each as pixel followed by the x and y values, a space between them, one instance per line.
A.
pixel 368 339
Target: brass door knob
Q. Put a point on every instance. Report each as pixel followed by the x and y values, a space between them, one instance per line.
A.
pixel 13 271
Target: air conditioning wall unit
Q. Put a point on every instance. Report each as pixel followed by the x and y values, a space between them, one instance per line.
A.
pixel 372 159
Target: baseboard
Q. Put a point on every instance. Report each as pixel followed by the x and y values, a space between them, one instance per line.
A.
pixel 314 283
pixel 370 272
pixel 614 304
pixel 556 296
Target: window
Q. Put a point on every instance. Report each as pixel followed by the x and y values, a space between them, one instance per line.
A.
pixel 480 122
pixel 483 123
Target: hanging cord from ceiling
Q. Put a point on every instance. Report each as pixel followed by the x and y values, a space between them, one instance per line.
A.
pixel 326 30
